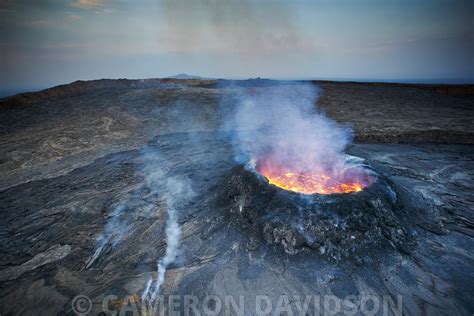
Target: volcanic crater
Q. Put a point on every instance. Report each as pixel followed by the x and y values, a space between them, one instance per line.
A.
pixel 335 225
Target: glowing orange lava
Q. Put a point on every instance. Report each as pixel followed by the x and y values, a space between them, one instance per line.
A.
pixel 309 182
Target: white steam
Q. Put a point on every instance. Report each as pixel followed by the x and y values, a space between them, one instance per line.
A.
pixel 114 231
pixel 173 194
pixel 177 192
pixel 283 121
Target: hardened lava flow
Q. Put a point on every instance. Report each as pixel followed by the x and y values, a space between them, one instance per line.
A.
pixel 337 213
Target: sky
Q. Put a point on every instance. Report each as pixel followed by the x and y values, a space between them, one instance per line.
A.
pixel 49 42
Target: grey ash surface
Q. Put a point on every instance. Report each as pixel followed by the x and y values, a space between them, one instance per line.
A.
pixel 72 154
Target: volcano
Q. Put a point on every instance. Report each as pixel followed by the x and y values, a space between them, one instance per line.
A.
pixel 332 218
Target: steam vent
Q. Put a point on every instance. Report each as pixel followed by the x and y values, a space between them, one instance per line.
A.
pixel 335 225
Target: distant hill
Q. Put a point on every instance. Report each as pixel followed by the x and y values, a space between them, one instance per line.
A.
pixel 186 76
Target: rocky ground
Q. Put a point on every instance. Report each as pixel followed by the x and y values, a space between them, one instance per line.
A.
pixel 90 172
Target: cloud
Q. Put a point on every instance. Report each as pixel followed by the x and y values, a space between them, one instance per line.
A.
pixel 88 4
pixel 72 17
pixel 233 26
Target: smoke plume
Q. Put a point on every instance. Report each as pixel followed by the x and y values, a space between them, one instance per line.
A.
pixel 171 193
pixel 283 122
pixel 116 227
pixel 176 193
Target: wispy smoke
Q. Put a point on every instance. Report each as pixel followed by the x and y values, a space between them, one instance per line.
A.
pixel 162 195
pixel 177 192
pixel 283 121
pixel 172 192
pixel 114 231
pixel 237 26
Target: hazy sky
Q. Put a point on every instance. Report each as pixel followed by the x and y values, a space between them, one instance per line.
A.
pixel 49 42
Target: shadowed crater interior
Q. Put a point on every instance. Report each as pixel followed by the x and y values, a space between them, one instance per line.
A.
pixel 335 225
